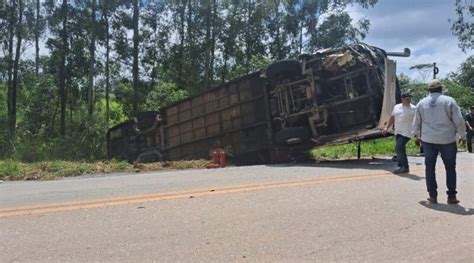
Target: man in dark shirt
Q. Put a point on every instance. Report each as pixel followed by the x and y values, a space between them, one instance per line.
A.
pixel 470 129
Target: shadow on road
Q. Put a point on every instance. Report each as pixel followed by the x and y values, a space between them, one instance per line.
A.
pixel 365 163
pixel 453 209
pixel 411 176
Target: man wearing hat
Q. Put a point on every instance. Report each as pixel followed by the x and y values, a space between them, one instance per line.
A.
pixel 402 117
pixel 437 121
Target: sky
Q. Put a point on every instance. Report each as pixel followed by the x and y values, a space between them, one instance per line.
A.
pixel 422 26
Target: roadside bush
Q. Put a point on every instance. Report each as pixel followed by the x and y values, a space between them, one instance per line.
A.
pixel 3 137
pixel 384 146
pixel 46 170
pixel 164 94
pixel 87 141
pixel 9 168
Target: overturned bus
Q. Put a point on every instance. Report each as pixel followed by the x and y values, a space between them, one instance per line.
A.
pixel 334 96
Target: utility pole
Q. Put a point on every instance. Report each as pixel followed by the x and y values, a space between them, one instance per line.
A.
pixel 435 70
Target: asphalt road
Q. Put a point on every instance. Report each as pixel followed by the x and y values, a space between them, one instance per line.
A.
pixel 330 211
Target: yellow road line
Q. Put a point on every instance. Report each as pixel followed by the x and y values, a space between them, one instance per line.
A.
pixel 47 208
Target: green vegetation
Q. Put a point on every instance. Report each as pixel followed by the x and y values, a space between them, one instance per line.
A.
pixel 379 147
pixel 47 170
pixel 15 170
pixel 69 71
pixel 98 63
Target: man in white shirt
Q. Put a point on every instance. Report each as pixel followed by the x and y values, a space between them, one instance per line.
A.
pixel 437 121
pixel 402 117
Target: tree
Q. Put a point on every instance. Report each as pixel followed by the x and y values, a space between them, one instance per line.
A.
pixel 154 34
pixel 416 89
pixel 135 69
pixel 337 30
pixel 91 89
pixel 210 40
pixel 230 36
pixel 15 30
pixel 107 8
pixel 10 65
pixel 39 29
pixel 275 26
pixel 106 25
pixel 463 95
pixel 15 83
pixel 164 94
pixel 110 58
pixel 465 73
pixel 58 44
pixel 292 25
pixel 4 23
pixel 337 25
pixel 464 28
pixel 254 32
pixel 423 70
pixel 62 66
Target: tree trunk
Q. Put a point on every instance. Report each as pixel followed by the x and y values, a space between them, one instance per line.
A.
pixel 12 114
pixel 107 61
pixel 181 43
pixel 91 91
pixel 135 57
pixel 207 42
pixel 190 71
pixel 156 47
pixel 11 35
pixel 62 68
pixel 300 45
pixel 228 45
pixel 71 95
pixel 37 37
pixel 277 40
pixel 224 68
pixel 248 52
pixel 213 41
pixel 53 118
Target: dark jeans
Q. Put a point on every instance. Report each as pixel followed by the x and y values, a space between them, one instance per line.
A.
pixel 400 147
pixel 469 141
pixel 448 155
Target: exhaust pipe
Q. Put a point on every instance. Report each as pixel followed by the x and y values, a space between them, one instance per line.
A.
pixel 406 53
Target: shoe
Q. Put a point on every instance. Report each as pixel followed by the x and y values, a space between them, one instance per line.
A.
pixel 401 170
pixel 452 200
pixel 432 199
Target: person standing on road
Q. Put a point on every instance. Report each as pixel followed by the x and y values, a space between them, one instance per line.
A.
pixel 437 120
pixel 470 129
pixel 402 119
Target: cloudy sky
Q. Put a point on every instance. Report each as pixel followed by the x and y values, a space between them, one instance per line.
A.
pixel 421 25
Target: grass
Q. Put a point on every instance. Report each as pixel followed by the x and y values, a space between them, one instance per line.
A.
pixel 13 170
pixel 384 146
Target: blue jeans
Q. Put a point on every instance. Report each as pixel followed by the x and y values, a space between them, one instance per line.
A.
pixel 400 147
pixel 448 155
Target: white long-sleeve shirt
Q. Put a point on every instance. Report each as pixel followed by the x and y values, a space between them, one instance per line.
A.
pixel 438 119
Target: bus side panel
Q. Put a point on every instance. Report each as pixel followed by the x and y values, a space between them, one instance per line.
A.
pixel 232 117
